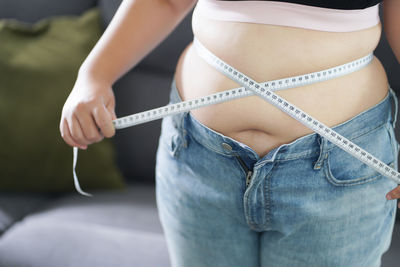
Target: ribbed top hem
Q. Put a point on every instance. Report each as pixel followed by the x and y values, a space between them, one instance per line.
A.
pixel 290 14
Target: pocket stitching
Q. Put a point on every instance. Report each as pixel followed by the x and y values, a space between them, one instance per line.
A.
pixel 357 181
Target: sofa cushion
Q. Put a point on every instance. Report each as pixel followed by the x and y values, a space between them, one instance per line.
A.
pixel 38 66
pixel 108 9
pixel 72 243
pixel 33 11
pixel 110 229
pixel 14 206
pixel 133 208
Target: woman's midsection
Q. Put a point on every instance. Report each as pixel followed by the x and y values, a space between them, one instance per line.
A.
pixel 269 52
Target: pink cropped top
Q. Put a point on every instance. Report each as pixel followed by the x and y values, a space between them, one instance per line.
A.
pixel 291 14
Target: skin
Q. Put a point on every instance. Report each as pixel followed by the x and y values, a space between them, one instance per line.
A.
pixel 267 52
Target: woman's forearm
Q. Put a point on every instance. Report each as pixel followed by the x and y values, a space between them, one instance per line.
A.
pixel 136 29
pixel 391 15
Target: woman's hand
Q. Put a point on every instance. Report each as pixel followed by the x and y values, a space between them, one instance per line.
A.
pixel 394 194
pixel 88 113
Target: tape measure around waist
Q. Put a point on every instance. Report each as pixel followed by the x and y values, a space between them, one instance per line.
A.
pixel 264 90
pixel 295 112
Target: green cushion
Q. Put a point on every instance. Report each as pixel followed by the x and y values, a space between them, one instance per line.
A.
pixel 38 68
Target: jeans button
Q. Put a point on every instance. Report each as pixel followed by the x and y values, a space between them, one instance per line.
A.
pixel 226 146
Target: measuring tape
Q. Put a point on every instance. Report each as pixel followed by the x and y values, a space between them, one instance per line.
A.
pixel 264 90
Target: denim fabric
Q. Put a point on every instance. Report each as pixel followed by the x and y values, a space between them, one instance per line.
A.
pixel 308 203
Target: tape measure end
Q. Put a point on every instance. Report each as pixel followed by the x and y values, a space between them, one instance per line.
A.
pixel 86 194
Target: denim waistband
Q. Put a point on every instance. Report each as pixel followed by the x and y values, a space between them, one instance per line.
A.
pixel 311 143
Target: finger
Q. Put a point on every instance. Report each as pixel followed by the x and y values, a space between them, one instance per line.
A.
pixel 76 131
pixel 394 194
pixel 89 128
pixel 104 121
pixel 66 135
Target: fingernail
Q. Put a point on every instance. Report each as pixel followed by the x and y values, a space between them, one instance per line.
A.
pixel 389 197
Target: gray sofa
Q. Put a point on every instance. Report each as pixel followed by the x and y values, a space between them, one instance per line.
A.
pixel 111 229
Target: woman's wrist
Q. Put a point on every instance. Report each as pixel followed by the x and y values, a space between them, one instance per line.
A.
pixel 94 76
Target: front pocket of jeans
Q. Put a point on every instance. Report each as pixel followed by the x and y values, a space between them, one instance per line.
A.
pixel 343 169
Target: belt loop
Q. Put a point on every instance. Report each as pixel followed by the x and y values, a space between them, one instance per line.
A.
pixel 395 106
pixel 178 119
pixel 183 126
pixel 322 154
pixel 182 116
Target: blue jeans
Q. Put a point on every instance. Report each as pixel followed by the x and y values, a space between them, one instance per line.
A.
pixel 308 203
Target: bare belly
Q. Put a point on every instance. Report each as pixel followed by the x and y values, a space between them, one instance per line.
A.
pixel 269 52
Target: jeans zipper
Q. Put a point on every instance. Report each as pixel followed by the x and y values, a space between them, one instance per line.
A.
pixel 249 172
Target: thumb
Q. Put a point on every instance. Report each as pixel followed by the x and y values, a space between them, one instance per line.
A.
pixel 112 112
pixel 110 106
